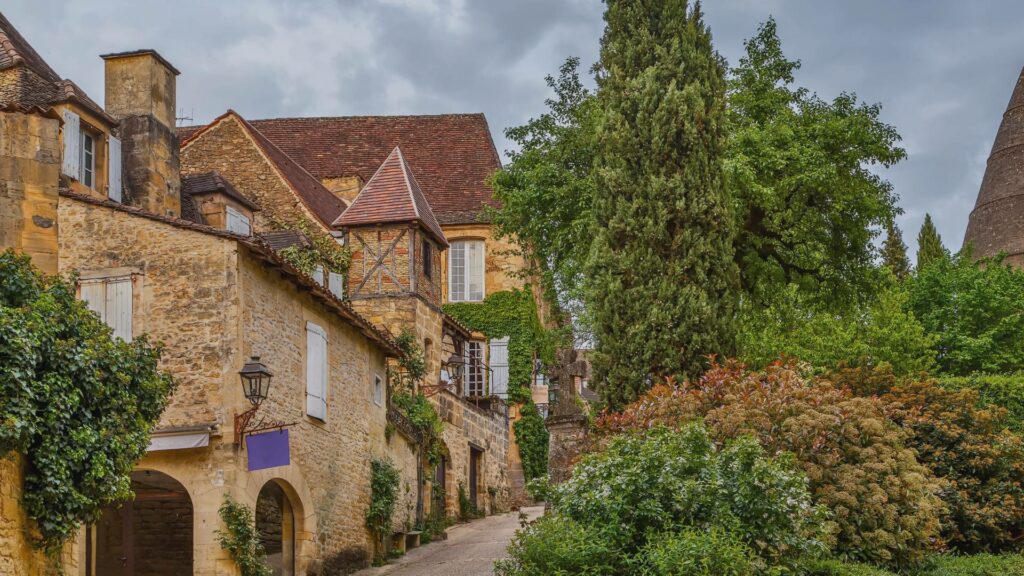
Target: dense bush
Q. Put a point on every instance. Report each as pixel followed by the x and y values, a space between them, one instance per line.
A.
pixel 671 482
pixel 884 503
pixel 1003 390
pixel 532 439
pixel 76 402
pixel 963 444
pixel 837 568
pixel 978 565
pixel 696 553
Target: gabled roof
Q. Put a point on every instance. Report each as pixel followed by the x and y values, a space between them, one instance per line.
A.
pixel 392 195
pixel 208 182
pixel 16 52
pixel 318 199
pixel 453 155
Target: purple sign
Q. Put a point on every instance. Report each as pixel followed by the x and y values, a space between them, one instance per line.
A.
pixel 268 450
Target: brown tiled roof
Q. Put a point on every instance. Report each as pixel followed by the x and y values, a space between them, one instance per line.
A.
pixel 452 155
pixel 269 256
pixel 281 239
pixel 208 182
pixel 49 88
pixel 319 200
pixel 392 195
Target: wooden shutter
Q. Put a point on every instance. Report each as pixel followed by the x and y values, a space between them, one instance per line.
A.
pixel 72 145
pixel 499 366
pixel 318 274
pixel 336 284
pixel 94 296
pixel 474 271
pixel 237 222
pixel 316 371
pixel 119 307
pixel 114 169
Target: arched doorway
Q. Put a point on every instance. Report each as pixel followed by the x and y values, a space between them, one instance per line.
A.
pixel 275 521
pixel 148 536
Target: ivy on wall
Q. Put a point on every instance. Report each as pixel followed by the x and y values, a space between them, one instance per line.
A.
pixel 77 403
pixel 384 481
pixel 324 250
pixel 532 438
pixel 511 313
pixel 241 539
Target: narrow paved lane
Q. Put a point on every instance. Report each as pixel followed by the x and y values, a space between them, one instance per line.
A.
pixel 470 549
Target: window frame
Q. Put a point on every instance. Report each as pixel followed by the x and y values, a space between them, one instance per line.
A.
pixel 475 376
pixel 87 163
pixel 428 258
pixel 461 246
pixel 378 390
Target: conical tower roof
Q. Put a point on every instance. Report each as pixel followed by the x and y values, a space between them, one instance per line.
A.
pixel 392 195
pixel 997 222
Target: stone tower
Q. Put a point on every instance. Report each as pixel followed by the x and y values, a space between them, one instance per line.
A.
pixel 997 222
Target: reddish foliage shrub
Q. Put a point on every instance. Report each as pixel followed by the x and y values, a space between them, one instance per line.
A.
pixel 882 500
pixel 966 445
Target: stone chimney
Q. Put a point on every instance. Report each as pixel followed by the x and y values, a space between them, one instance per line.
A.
pixel 140 93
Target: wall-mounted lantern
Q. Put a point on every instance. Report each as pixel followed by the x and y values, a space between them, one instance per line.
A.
pixel 255 378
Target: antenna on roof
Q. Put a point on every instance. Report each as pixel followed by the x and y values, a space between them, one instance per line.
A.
pixel 180 119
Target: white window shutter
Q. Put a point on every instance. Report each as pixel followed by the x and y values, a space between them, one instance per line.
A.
pixel 336 284
pixel 72 144
pixel 499 366
pixel 238 222
pixel 114 169
pixel 94 296
pixel 316 371
pixel 318 274
pixel 119 307
pixel 475 271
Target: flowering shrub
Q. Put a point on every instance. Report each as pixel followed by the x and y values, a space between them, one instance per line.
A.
pixel 964 444
pixel 884 503
pixel 672 482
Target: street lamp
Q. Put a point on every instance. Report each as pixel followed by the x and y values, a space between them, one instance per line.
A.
pixel 255 381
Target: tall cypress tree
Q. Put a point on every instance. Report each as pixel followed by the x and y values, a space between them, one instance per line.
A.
pixel 894 251
pixel 929 244
pixel 661 281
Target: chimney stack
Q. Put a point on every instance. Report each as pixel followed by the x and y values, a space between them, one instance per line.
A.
pixel 140 93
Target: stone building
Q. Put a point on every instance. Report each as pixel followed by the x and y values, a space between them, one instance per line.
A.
pixel 187 241
pixel 996 224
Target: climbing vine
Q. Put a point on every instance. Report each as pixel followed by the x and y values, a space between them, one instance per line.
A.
pixel 384 482
pixel 241 539
pixel 324 250
pixel 511 313
pixel 532 439
pixel 408 372
pixel 77 403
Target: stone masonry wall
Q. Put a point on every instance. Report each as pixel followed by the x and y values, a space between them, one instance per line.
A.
pixel 29 175
pixel 466 425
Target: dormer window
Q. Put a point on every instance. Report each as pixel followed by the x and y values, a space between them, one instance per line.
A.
pixel 238 222
pixel 88 176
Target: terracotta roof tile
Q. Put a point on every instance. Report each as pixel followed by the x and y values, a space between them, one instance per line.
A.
pixel 15 50
pixel 452 155
pixel 392 195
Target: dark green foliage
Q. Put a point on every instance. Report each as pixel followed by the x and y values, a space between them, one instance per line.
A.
pixel 1002 390
pixel 660 276
pixel 558 546
pixel 77 403
pixel 929 244
pixel 241 539
pixel 511 313
pixel 532 439
pixel 547 187
pixel 807 200
pixel 975 310
pixel 894 251
pixel 691 552
pixel 425 421
pixel 384 481
pixel 837 568
pixel 874 333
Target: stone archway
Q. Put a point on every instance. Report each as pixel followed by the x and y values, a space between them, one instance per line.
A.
pixel 276 522
pixel 151 535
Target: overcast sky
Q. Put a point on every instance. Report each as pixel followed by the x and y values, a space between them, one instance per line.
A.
pixel 942 69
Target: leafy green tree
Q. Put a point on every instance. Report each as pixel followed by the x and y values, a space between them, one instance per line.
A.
pixel 894 251
pixel 660 276
pixel 806 201
pixel 547 188
pixel 77 403
pixel 974 309
pixel 875 333
pixel 929 244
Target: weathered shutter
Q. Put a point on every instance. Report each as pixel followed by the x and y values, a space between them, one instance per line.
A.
pixel 237 222
pixel 316 371
pixel 474 271
pixel 336 284
pixel 114 169
pixel 318 274
pixel 93 294
pixel 119 307
pixel 72 145
pixel 499 366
